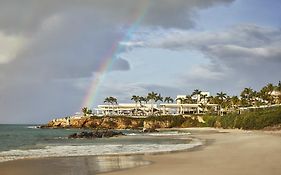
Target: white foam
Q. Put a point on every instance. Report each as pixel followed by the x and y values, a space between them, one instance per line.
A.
pixel 176 133
pixel 85 150
pixel 33 127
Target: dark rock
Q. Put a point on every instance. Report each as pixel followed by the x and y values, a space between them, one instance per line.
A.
pixel 95 134
pixel 149 130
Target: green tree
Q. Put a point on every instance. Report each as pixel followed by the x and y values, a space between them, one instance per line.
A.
pixel 84 111
pixel 266 92
pixel 197 94
pixel 143 99
pixel 221 96
pixel 152 96
pixel 111 100
pixel 247 96
pixel 168 100
pixel 159 98
pixel 235 102
pixel 137 100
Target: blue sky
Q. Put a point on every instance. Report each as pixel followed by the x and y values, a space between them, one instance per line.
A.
pixel 51 50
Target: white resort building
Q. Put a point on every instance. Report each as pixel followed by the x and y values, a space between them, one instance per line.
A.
pixel 200 105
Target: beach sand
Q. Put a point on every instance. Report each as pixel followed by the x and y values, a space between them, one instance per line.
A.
pixel 225 152
pixel 235 152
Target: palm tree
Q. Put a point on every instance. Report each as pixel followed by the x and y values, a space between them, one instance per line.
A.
pixel 203 106
pixel 159 98
pixel 234 102
pixel 188 99
pixel 84 111
pixel 111 100
pixel 210 99
pixel 152 96
pixel 221 97
pixel 114 100
pixel 107 100
pixel 143 99
pixel 197 93
pixel 266 93
pixel 181 99
pixel 168 100
pixel 136 99
pixel 247 95
pixel 89 112
pixel 204 97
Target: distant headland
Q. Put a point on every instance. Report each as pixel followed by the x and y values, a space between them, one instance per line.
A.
pixel 251 110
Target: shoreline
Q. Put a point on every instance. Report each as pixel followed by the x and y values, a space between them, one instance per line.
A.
pixel 226 152
pixel 175 162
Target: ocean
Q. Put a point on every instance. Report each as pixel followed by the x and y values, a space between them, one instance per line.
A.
pixel 27 141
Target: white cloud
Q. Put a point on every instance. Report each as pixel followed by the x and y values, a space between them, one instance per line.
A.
pixel 203 72
pixel 10 46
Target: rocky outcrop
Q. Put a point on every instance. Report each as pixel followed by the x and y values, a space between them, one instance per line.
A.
pixel 95 122
pixel 96 134
pixel 122 122
pixel 157 124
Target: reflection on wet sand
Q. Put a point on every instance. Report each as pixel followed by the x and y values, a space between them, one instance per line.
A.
pixel 88 165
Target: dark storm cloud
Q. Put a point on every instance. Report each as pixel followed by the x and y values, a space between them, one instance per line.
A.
pixel 54 40
pixel 26 16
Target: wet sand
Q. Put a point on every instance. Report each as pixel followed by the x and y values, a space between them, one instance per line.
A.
pixel 236 152
pixel 228 152
pixel 86 165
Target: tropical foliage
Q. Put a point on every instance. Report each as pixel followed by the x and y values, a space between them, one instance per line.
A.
pixel 253 119
pixel 86 111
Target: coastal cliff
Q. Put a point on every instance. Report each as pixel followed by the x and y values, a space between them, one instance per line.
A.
pixel 118 122
pixel 268 119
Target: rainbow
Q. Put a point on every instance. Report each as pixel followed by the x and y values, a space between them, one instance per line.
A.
pixel 110 56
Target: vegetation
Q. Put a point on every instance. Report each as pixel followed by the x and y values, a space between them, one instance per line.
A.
pixel 251 110
pixel 86 111
pixel 252 119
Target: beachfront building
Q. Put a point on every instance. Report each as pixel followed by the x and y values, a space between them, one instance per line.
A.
pixel 189 105
pixel 187 108
pixel 196 104
pixel 133 109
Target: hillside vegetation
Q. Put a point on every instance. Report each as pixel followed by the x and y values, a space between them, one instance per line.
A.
pixel 252 119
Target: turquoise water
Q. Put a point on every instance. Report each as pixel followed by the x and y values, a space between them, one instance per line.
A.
pixel 26 141
pixel 28 136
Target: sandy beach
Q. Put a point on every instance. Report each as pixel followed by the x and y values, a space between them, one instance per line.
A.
pixel 230 152
pixel 224 152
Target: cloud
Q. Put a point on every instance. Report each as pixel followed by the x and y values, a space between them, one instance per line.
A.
pixel 123 92
pixel 43 43
pixel 68 39
pixel 9 47
pixel 27 17
pixel 248 54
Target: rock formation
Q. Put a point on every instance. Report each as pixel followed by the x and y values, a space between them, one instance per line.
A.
pixel 120 122
pixel 95 134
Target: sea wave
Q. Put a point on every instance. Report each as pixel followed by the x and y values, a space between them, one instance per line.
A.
pixel 86 150
pixel 33 127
